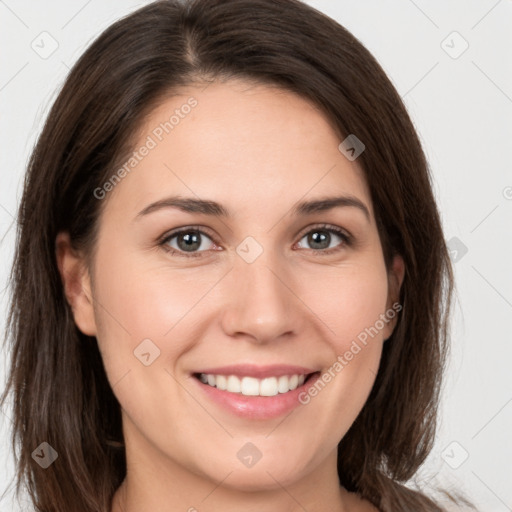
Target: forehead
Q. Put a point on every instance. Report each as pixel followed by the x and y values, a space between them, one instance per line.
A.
pixel 245 145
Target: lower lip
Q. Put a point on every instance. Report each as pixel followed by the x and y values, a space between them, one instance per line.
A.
pixel 257 407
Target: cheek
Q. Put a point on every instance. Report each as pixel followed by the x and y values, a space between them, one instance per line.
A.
pixel 141 299
pixel 137 300
pixel 349 301
pixel 143 324
pixel 350 304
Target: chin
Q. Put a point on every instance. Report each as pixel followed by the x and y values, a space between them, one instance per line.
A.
pixel 252 480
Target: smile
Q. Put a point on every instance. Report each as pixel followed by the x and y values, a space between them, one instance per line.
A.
pixel 252 386
pixel 255 392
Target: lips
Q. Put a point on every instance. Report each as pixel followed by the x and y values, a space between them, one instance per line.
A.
pixel 256 392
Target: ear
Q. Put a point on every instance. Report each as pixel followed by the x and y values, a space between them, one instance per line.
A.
pixel 395 279
pixel 77 284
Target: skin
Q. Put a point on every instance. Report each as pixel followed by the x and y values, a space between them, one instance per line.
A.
pixel 257 150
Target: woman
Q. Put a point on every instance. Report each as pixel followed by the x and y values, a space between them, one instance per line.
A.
pixel 188 344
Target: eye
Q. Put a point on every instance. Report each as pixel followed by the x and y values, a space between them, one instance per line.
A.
pixel 188 242
pixel 192 241
pixel 320 238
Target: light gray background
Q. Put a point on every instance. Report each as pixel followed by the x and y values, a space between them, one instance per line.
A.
pixel 461 104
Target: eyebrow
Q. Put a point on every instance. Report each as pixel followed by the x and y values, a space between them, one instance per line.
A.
pixel 208 207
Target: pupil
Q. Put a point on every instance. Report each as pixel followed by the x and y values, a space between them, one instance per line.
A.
pixel 190 238
pixel 319 237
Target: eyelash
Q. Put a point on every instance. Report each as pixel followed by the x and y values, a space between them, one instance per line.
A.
pixel 346 238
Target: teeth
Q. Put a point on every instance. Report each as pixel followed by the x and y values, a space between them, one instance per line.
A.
pixel 268 387
pixel 250 386
pixel 282 385
pixel 221 382
pixel 233 384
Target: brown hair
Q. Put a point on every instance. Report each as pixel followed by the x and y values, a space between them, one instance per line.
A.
pixel 60 389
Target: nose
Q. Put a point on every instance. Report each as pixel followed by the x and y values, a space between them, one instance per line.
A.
pixel 260 301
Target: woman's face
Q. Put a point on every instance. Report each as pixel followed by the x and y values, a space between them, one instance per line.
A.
pixel 256 291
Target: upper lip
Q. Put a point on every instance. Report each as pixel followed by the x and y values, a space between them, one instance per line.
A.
pixel 259 372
